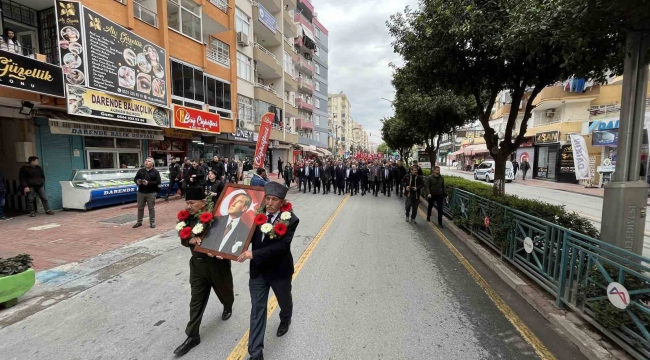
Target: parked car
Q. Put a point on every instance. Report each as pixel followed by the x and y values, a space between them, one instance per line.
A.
pixel 485 171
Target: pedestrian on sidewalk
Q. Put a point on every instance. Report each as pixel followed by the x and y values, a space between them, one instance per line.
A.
pixel 288 175
pixel 280 167
pixel 326 177
pixel 259 178
pixel 413 185
pixel 525 166
pixel 174 178
pixel 187 164
pixel 207 273
pixel 148 180
pixel 400 172
pixel 434 190
pixel 271 266
pixel 195 176
pixel 2 198
pixel 515 167
pixel 32 180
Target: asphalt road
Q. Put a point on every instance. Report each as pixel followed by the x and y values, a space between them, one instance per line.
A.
pixel 590 207
pixel 374 287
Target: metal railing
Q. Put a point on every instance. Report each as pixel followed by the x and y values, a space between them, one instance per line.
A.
pixel 267 88
pixel 217 57
pixel 144 14
pixel 290 43
pixel 220 4
pixel 264 50
pixel 574 268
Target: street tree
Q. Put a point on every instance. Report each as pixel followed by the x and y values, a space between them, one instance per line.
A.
pixel 398 135
pixel 429 112
pixel 479 48
pixel 383 148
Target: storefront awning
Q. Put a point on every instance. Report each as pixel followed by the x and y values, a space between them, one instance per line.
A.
pixel 458 152
pixel 469 150
pixel 325 151
pixel 480 149
pixel 65 124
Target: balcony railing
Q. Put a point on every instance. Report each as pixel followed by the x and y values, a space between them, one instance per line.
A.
pixel 299 18
pixel 220 4
pixel 302 104
pixel 144 14
pixel 219 58
pixel 286 39
pixel 304 124
pixel 268 88
pixel 264 50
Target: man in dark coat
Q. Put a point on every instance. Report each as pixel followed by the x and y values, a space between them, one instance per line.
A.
pixel 353 178
pixel 194 176
pixel 316 178
pixel 374 177
pixel 207 273
pixel 32 180
pixel 271 267
pixel 232 169
pixel 386 178
pixel 340 177
pixel 413 184
pixel 148 180
pixel 434 191
pixel 326 178
pixel 364 173
pixel 174 178
pixel 333 176
pixel 218 167
pixel 398 174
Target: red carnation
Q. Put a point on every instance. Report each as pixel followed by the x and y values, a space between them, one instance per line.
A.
pixel 286 207
pixel 205 218
pixel 183 215
pixel 280 229
pixel 260 219
pixel 186 233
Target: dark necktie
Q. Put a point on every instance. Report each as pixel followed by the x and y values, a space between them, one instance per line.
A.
pixel 228 228
pixel 269 219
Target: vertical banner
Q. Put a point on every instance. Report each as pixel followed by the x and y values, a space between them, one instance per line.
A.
pixel 69 24
pixel 263 139
pixel 580 157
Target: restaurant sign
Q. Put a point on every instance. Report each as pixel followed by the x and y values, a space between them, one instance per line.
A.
pixel 548 137
pixel 79 129
pixel 177 134
pixel 92 103
pixel 23 73
pixel 197 120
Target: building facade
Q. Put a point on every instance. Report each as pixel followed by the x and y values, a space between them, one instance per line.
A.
pixel 347 137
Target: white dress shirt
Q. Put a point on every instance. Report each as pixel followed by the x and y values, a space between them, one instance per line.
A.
pixel 234 223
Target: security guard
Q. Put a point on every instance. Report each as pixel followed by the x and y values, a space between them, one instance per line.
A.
pixel 271 268
pixel 206 273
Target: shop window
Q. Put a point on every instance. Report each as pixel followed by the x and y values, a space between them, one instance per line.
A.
pixel 99 142
pixel 101 160
pixel 184 16
pixel 129 160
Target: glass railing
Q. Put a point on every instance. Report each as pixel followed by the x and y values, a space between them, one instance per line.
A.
pixel 144 14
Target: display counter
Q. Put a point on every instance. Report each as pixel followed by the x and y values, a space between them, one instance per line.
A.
pixel 90 189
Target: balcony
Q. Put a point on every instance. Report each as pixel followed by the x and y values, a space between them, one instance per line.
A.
pixel 220 4
pixel 554 96
pixel 304 124
pixel 279 135
pixel 302 46
pixel 291 83
pixel 291 110
pixel 268 66
pixel 290 28
pixel 304 65
pixel 303 105
pixel 300 19
pixel 270 36
pixel 217 57
pixel 290 49
pixel 267 94
pixel 272 6
pixel 306 85
pixel 145 14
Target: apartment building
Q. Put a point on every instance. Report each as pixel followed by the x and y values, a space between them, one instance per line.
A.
pixel 347 136
pixel 135 79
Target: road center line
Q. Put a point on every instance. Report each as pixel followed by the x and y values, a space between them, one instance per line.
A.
pixel 525 332
pixel 241 349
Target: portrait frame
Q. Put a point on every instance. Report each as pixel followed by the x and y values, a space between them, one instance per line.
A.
pixel 213 237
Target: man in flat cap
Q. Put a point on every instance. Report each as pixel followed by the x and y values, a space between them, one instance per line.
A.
pixel 207 273
pixel 271 266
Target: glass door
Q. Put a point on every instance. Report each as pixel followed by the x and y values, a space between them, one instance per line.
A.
pixel 27 40
pixel 552 163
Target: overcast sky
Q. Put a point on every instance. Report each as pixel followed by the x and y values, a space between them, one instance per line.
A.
pixel 359 53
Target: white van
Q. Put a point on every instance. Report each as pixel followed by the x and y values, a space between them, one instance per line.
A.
pixel 485 171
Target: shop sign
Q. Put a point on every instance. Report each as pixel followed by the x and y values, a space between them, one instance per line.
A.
pixel 115 59
pixel 548 137
pixel 78 129
pixel 580 155
pixel 244 135
pixel 605 138
pixel 177 134
pixel 266 18
pixel 92 103
pixel 263 139
pixel 566 160
pixel 197 120
pixel 23 73
pixel 472 134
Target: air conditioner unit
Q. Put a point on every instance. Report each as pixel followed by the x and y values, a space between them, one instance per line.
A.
pixel 242 124
pixel 242 39
pixel 550 113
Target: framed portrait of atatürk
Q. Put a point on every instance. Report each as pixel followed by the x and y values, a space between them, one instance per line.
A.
pixel 233 226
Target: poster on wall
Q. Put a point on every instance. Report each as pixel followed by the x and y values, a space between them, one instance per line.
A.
pixel 69 26
pixel 92 103
pixel 566 160
pixel 21 72
pixel 123 63
pixel 528 153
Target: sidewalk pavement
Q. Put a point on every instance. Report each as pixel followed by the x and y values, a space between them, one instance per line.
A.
pixel 574 188
pixel 71 236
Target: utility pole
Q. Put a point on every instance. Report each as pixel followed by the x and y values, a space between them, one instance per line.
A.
pixel 624 205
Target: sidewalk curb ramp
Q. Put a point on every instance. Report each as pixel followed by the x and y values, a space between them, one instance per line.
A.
pixel 590 342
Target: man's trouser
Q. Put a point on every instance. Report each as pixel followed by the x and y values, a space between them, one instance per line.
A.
pixel 148 199
pixel 439 202
pixel 412 207
pixel 35 191
pixel 172 182
pixel 259 290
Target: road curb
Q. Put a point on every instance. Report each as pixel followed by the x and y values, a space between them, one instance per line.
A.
pixel 565 323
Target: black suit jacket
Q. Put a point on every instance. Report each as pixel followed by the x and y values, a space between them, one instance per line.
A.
pixel 355 175
pixel 232 167
pixel 272 257
pixel 383 177
pixel 214 235
pixel 340 173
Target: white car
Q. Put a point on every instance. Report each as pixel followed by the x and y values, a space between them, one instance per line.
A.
pixel 485 171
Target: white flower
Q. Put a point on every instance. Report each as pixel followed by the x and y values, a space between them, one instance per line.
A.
pixel 198 229
pixel 266 228
pixel 285 216
pixel 180 226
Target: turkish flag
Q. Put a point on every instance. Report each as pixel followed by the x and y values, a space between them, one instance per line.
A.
pixel 230 194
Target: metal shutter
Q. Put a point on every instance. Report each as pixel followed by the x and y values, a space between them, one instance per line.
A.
pixel 56 160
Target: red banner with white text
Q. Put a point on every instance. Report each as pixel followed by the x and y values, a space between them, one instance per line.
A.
pixel 263 139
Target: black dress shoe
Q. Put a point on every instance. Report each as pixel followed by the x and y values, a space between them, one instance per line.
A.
pixel 283 328
pixel 187 346
pixel 227 313
pixel 137 225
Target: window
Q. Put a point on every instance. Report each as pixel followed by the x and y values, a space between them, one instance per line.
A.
pixel 184 16
pixel 317 119
pixel 243 66
pixel 318 137
pixel 317 32
pixel 242 22
pixel 317 51
pixel 220 52
pixel 317 69
pixel 245 108
pixel 288 64
pixel 317 85
pixel 187 82
pixel 112 153
pixel 192 88
pixel 317 103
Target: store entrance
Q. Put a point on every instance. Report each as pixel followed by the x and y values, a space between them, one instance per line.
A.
pixel 546 162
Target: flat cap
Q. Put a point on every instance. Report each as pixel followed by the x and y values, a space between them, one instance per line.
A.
pixel 275 189
pixel 194 193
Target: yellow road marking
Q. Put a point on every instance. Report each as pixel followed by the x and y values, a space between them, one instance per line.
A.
pixel 241 350
pixel 525 332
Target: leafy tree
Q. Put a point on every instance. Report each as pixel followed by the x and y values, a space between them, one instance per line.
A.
pixel 429 113
pixel 398 135
pixel 383 148
pixel 479 48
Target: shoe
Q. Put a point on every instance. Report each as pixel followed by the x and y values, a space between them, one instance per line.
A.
pixel 440 226
pixel 50 212
pixel 428 218
pixel 413 221
pixel 261 357
pixel 153 225
pixel 187 346
pixel 137 225
pixel 407 218
pixel 32 214
pixel 167 198
pixel 283 328
pixel 227 313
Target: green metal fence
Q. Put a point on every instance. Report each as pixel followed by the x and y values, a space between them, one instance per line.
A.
pixel 574 268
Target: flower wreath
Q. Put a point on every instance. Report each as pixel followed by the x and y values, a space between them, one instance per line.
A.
pixel 186 232
pixel 280 228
